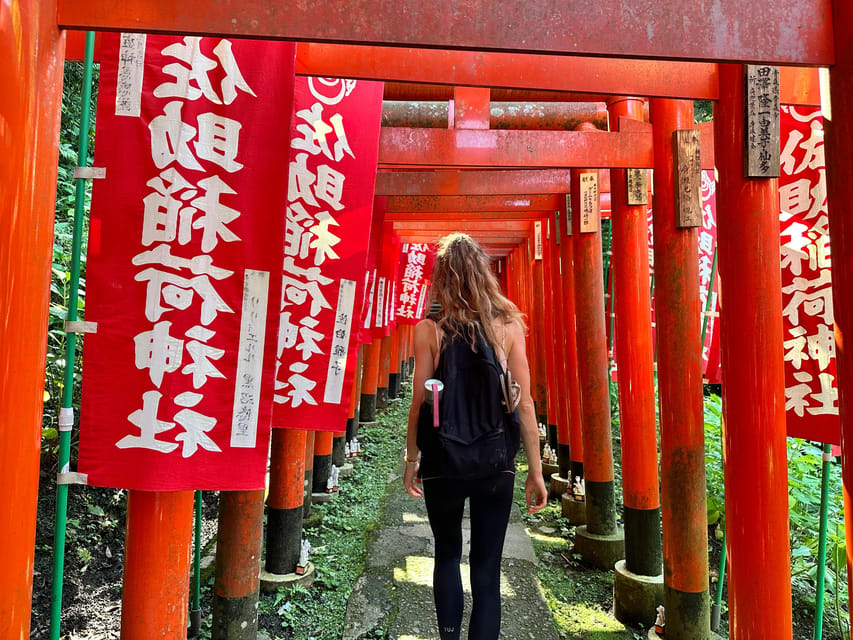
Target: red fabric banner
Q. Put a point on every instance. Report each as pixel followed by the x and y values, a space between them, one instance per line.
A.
pixel 708 281
pixel 333 154
pixel 183 262
pixel 811 391
pixel 412 284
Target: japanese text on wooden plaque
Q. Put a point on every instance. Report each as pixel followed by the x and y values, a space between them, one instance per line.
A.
pixel 568 225
pixel 557 227
pixel 638 186
pixel 537 237
pixel 590 213
pixel 761 135
pixel 688 178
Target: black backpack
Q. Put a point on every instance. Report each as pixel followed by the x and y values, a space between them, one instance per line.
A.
pixel 475 436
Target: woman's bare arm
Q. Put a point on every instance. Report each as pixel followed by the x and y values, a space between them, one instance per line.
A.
pixel 424 346
pixel 535 491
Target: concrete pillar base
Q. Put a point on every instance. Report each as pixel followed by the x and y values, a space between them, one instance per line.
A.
pixel 600 551
pixel 318 498
pixel 270 582
pixel 367 423
pixel 636 597
pixel 548 470
pixel 345 470
pixel 574 510
pixel 558 487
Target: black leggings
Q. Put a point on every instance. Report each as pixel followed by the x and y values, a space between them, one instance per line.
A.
pixel 491 499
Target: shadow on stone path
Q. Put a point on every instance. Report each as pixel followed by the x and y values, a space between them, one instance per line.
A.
pixel 394 594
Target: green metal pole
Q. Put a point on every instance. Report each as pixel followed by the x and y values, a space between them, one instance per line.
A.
pixel 821 550
pixel 66 416
pixel 195 596
pixel 718 596
pixel 721 576
pixel 709 296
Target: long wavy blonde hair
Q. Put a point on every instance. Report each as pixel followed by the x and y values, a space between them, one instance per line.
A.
pixel 466 289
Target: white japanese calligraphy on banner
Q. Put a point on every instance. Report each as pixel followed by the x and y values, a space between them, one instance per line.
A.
pixel 811 393
pixel 334 147
pixel 180 257
pixel 414 282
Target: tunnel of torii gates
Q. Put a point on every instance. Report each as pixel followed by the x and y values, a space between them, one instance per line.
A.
pixel 462 173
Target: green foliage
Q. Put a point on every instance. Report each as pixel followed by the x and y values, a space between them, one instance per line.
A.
pixel 714 479
pixel 339 542
pixel 804 497
pixel 60 282
pixel 703 111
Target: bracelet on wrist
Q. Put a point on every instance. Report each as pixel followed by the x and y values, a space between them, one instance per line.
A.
pixel 410 461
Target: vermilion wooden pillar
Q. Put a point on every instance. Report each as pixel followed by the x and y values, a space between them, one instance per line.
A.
pixel 309 473
pixel 31 76
pixel 369 376
pixel 155 583
pixel 284 502
pixel 238 566
pixel 570 355
pixel 537 333
pixel 558 384
pixel 548 337
pixel 323 441
pixel 634 356
pixel 600 542
pixel 394 371
pixel 753 381
pixel 839 170
pixel 677 314
pixel 384 373
pixel 352 421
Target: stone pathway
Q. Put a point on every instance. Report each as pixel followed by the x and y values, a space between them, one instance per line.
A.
pixel 395 592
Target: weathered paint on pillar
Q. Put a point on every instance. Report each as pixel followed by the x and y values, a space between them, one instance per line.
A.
pixel 369 376
pixel 571 352
pixel 31 50
pixel 839 170
pixel 548 337
pixel 753 382
pixel 383 373
pixel 537 332
pixel 322 460
pixel 156 580
pixel 238 565
pixel 558 384
pixel 285 500
pixel 634 354
pixel 677 317
pixel 593 374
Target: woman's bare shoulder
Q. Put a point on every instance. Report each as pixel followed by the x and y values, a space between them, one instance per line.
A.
pixel 425 329
pixel 513 329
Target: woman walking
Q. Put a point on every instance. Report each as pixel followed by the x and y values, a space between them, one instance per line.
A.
pixel 473 318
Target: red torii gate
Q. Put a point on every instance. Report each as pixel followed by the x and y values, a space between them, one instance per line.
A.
pixel 774 31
